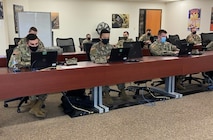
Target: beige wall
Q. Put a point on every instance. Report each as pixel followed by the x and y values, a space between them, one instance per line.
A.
pixel 76 22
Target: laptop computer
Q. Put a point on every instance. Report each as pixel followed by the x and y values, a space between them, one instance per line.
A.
pixel 41 60
pixel 135 53
pixel 119 54
pixel 185 48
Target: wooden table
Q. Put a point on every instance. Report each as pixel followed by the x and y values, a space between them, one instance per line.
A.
pixel 87 74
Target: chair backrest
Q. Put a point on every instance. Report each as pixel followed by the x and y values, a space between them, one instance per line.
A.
pixel 8 54
pixel 95 40
pixel 81 41
pixel 87 47
pixel 16 40
pixel 67 44
pixel 173 38
pixel 206 38
pixel 153 38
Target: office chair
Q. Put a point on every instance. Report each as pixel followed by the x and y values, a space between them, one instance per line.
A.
pixel 22 99
pixel 189 78
pixel 173 38
pixel 16 40
pixel 80 42
pixel 206 38
pixel 67 44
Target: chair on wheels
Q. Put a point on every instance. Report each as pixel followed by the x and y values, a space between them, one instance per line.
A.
pixel 173 38
pixel 80 43
pixel 22 99
pixel 206 38
pixel 67 44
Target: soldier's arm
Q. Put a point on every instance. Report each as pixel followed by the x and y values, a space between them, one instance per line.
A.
pixel 15 55
pixel 155 50
pixel 141 38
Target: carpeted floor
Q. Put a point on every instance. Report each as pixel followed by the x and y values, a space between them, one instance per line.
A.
pixel 176 119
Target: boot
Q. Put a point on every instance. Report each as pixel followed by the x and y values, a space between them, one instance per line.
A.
pixel 123 95
pixel 30 105
pixel 178 84
pixel 36 110
pixel 107 99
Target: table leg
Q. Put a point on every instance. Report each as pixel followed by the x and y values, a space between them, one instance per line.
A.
pixel 169 88
pixel 97 98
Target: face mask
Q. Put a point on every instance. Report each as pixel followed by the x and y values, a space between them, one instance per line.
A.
pixel 105 41
pixel 88 38
pixel 194 32
pixel 149 34
pixel 163 39
pixel 33 49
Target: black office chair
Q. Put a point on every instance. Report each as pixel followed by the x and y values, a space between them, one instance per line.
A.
pixel 190 78
pixel 173 38
pixel 16 40
pixel 67 44
pixel 22 99
pixel 206 38
pixel 80 42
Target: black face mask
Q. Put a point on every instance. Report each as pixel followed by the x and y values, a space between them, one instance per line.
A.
pixel 194 32
pixel 33 49
pixel 88 38
pixel 105 41
pixel 148 34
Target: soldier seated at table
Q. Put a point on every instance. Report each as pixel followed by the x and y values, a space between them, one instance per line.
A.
pixel 22 54
pixel 124 39
pixel 163 48
pixel 100 53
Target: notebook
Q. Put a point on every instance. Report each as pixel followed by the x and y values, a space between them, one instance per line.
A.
pixel 40 60
pixel 135 52
pixel 119 54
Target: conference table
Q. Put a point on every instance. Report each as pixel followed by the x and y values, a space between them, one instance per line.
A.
pixel 87 74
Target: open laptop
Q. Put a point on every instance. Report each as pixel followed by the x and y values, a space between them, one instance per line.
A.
pixel 135 52
pixel 41 60
pixel 119 54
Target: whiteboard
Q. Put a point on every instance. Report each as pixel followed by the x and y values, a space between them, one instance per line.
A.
pixel 40 20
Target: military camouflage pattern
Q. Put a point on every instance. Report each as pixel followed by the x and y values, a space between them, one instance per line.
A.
pixel 86 41
pixel 144 37
pixel 193 38
pixel 22 53
pixel 162 49
pixel 210 46
pixel 121 42
pixel 100 53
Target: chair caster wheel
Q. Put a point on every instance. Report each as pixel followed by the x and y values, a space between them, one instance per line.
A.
pixel 18 110
pixel 5 105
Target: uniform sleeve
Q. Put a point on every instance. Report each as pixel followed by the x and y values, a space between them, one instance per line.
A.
pixel 141 38
pixel 96 57
pixel 189 39
pixel 15 55
pixel 155 50
pixel 119 44
pixel 198 39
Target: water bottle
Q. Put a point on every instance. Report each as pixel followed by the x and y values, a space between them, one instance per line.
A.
pixel 15 67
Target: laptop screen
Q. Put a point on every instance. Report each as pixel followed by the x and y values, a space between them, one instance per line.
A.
pixel 185 48
pixel 135 49
pixel 40 60
pixel 119 54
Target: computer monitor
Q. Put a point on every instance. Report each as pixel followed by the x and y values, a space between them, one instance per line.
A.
pixel 185 47
pixel 135 49
pixel 41 60
pixel 119 54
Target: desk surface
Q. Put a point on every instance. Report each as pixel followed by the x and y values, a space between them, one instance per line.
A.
pixel 87 74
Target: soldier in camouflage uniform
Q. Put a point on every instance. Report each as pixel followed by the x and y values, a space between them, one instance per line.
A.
pixel 162 48
pixel 100 53
pixel 146 38
pixel 125 39
pixel 22 54
pixel 193 37
pixel 87 40
pixel 32 30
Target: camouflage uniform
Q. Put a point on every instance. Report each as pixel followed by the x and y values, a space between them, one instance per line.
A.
pixel 210 46
pixel 143 38
pixel 162 49
pixel 22 53
pixel 24 40
pixel 193 38
pixel 100 53
pixel 121 42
